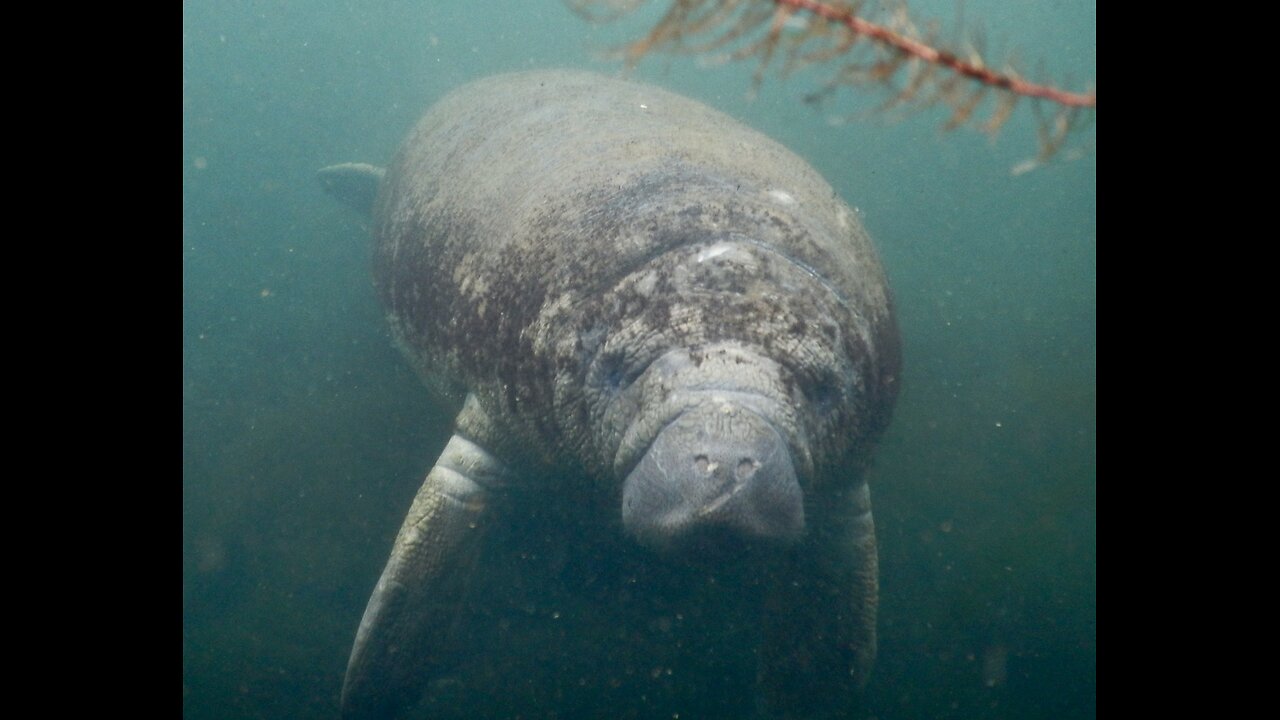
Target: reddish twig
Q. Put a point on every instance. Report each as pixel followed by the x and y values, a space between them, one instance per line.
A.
pixel 916 69
pixel 928 53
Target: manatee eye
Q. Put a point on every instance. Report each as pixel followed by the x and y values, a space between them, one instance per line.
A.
pixel 612 370
pixel 824 393
pixel 616 372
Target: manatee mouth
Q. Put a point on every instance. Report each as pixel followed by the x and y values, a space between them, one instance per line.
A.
pixel 717 469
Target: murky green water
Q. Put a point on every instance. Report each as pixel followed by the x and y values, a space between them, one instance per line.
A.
pixel 305 435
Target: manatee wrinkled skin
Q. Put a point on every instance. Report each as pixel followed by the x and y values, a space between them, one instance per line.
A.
pixel 631 297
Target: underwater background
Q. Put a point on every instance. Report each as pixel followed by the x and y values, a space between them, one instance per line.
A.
pixel 305 435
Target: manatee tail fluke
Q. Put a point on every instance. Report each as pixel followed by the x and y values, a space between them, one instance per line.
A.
pixel 355 184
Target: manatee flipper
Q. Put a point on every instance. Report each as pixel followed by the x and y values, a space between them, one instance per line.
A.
pixel 820 617
pixel 404 636
pixel 355 184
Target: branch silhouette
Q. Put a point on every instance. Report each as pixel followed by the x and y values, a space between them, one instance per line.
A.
pixel 880 47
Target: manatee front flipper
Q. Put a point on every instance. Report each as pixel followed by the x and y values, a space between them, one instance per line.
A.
pixel 404 635
pixel 820 616
pixel 355 184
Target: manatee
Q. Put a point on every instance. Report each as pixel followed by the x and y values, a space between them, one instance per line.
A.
pixel 644 311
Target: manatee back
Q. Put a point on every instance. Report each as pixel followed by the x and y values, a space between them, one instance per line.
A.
pixel 519 199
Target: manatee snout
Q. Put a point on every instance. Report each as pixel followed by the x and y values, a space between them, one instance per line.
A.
pixel 718 471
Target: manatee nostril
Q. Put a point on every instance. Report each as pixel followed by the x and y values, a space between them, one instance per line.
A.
pixel 746 468
pixel 700 463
